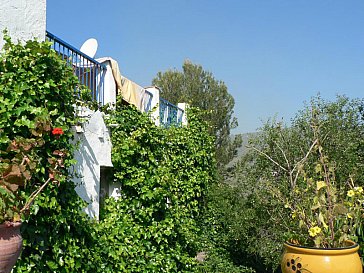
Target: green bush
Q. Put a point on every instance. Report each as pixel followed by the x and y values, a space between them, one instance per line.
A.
pixel 259 224
pixel 219 260
pixel 164 175
pixel 37 89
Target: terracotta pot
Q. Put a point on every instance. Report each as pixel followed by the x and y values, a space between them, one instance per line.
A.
pixel 298 259
pixel 10 246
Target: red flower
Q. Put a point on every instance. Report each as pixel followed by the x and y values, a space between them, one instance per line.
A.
pixel 57 131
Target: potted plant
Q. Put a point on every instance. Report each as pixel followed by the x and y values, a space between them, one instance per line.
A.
pixel 18 164
pixel 37 94
pixel 325 212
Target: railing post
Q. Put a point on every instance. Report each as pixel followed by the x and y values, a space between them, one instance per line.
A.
pixel 109 85
pixel 100 85
pixel 90 72
pixel 154 104
pixel 183 106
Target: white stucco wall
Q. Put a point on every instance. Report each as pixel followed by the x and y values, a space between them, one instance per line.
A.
pixel 94 151
pixel 114 190
pixel 24 19
pixel 109 85
pixel 184 107
pixel 155 104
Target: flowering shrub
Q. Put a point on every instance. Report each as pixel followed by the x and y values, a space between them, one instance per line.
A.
pixel 355 205
pixel 37 94
pixel 17 169
pixel 254 222
pixel 57 131
pixel 34 84
pixel 140 233
pixel 326 210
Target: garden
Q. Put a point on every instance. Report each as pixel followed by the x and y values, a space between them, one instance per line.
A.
pixel 298 186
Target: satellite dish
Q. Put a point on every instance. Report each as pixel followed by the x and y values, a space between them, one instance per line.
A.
pixel 89 47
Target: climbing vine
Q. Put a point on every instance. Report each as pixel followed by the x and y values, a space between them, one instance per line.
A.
pixel 163 177
pixel 37 112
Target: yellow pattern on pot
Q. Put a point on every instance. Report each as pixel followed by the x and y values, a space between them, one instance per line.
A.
pixel 298 259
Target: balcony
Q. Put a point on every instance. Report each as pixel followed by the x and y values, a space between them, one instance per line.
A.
pixel 89 72
pixel 169 114
pixel 93 74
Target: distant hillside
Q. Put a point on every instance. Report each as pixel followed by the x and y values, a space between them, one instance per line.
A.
pixel 230 178
pixel 242 150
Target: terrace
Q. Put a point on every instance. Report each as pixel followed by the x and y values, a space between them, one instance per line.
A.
pixel 94 73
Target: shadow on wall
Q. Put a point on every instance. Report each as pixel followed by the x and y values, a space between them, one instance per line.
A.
pixel 86 170
pixel 93 153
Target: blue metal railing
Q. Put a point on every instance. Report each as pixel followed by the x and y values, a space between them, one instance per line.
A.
pixel 170 114
pixel 90 72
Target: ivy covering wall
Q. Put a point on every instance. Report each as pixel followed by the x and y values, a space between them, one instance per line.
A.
pixel 37 93
pixel 164 176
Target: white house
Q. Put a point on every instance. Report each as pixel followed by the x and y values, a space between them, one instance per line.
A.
pixel 26 19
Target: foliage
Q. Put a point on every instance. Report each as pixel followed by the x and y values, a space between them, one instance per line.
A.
pixel 199 88
pixel 219 261
pixel 219 236
pixel 34 85
pixel 260 223
pixel 327 211
pixel 37 112
pixel 163 176
pixel 58 236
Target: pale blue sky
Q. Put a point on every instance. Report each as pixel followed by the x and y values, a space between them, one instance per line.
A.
pixel 272 55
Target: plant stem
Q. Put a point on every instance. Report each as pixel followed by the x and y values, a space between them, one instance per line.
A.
pixel 329 197
pixel 35 194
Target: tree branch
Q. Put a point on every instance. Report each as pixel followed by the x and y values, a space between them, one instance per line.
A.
pixel 267 156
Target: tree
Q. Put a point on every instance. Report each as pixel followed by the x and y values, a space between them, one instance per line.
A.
pixel 199 88
pixel 252 216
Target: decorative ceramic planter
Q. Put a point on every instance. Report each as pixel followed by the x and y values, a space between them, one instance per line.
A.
pixel 10 246
pixel 298 259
